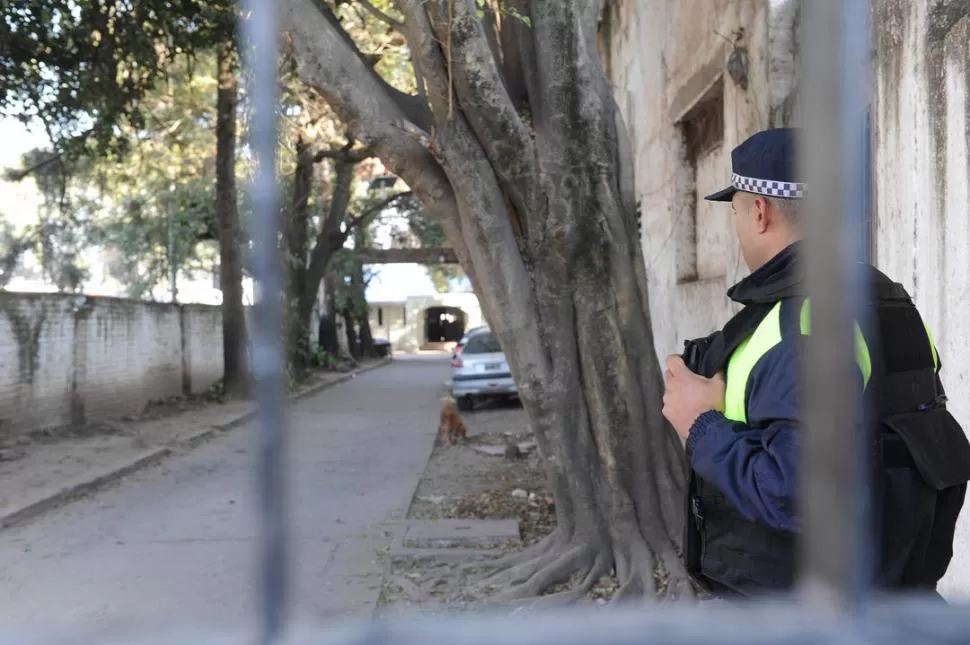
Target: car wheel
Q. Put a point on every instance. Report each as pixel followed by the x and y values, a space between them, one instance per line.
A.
pixel 466 403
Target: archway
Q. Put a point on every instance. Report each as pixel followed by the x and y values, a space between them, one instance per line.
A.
pixel 444 325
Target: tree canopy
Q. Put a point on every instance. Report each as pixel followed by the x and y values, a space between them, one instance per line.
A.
pixel 82 67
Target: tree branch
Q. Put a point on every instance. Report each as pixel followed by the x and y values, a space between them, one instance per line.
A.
pixel 377 13
pixel 420 255
pixel 487 105
pixel 518 60
pixel 414 107
pixel 329 64
pixel 344 154
pixel 429 58
pixel 373 211
pixel 11 174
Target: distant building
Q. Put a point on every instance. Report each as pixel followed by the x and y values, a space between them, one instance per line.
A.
pixel 421 323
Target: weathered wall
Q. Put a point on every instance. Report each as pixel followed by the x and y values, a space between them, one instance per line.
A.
pixel 693 79
pixel 70 359
pixel 921 113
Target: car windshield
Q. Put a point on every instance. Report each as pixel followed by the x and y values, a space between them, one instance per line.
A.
pixel 482 344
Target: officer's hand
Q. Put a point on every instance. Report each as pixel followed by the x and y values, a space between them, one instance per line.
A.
pixel 688 395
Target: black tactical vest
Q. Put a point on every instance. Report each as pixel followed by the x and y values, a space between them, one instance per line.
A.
pixel 920 464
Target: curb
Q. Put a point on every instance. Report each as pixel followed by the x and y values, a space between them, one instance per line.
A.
pixel 79 487
pixel 91 483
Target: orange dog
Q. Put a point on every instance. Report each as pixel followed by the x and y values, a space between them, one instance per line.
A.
pixel 451 426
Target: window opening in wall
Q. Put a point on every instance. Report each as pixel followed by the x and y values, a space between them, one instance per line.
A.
pixel 404 315
pixel 380 316
pixel 701 228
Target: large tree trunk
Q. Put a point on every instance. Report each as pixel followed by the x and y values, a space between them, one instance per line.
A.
pixel 307 275
pixel 236 379
pixel 299 300
pixel 542 216
pixel 366 338
pixel 329 341
pixel 350 328
pixel 359 298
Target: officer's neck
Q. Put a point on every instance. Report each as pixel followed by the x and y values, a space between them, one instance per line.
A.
pixel 772 247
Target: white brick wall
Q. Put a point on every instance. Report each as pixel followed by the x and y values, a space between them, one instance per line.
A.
pixel 202 346
pixel 66 358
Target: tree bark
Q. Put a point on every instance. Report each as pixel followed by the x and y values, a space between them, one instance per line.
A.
pixel 236 380
pixel 299 299
pixel 351 329
pixel 366 337
pixel 539 207
pixel 329 341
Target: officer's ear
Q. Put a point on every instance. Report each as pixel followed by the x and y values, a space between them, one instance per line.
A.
pixel 760 215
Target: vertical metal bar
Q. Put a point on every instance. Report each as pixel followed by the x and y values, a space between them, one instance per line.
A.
pixel 834 566
pixel 259 29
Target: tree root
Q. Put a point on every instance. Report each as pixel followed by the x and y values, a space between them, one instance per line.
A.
pixel 638 582
pixel 528 574
pixel 558 565
pixel 677 587
pixel 519 557
pixel 519 573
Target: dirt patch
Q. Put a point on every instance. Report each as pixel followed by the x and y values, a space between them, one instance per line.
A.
pixel 461 482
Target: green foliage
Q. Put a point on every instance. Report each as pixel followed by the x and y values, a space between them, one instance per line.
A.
pixel 131 125
pixel 327 361
pixel 62 229
pixel 13 245
pixel 156 205
pixel 82 67
pixel 351 285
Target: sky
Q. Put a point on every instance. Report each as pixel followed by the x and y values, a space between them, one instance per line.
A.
pixel 390 283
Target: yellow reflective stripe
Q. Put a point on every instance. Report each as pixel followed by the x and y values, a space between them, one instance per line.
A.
pixel 936 356
pixel 743 360
pixel 862 356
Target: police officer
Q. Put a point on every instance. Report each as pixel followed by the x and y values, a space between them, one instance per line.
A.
pixel 733 398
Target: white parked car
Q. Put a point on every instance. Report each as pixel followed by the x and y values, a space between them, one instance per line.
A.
pixel 480 370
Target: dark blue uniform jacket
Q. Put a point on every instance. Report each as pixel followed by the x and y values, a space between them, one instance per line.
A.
pixel 755 464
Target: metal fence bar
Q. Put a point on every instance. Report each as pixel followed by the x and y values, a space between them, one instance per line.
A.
pixel 834 551
pixel 900 622
pixel 260 35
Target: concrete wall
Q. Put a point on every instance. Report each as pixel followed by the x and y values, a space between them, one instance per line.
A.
pixel 70 359
pixel 389 320
pixel 404 322
pixel 693 79
pixel 921 112
pixel 671 63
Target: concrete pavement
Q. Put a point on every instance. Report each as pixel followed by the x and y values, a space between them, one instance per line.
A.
pixel 176 543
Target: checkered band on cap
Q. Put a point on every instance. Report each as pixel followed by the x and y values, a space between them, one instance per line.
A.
pixel 767 187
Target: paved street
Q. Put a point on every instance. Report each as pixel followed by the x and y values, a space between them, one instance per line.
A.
pixel 177 542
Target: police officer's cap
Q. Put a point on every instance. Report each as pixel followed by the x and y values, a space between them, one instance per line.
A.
pixel 764 165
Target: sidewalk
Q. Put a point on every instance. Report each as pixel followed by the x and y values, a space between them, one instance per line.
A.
pixel 51 473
